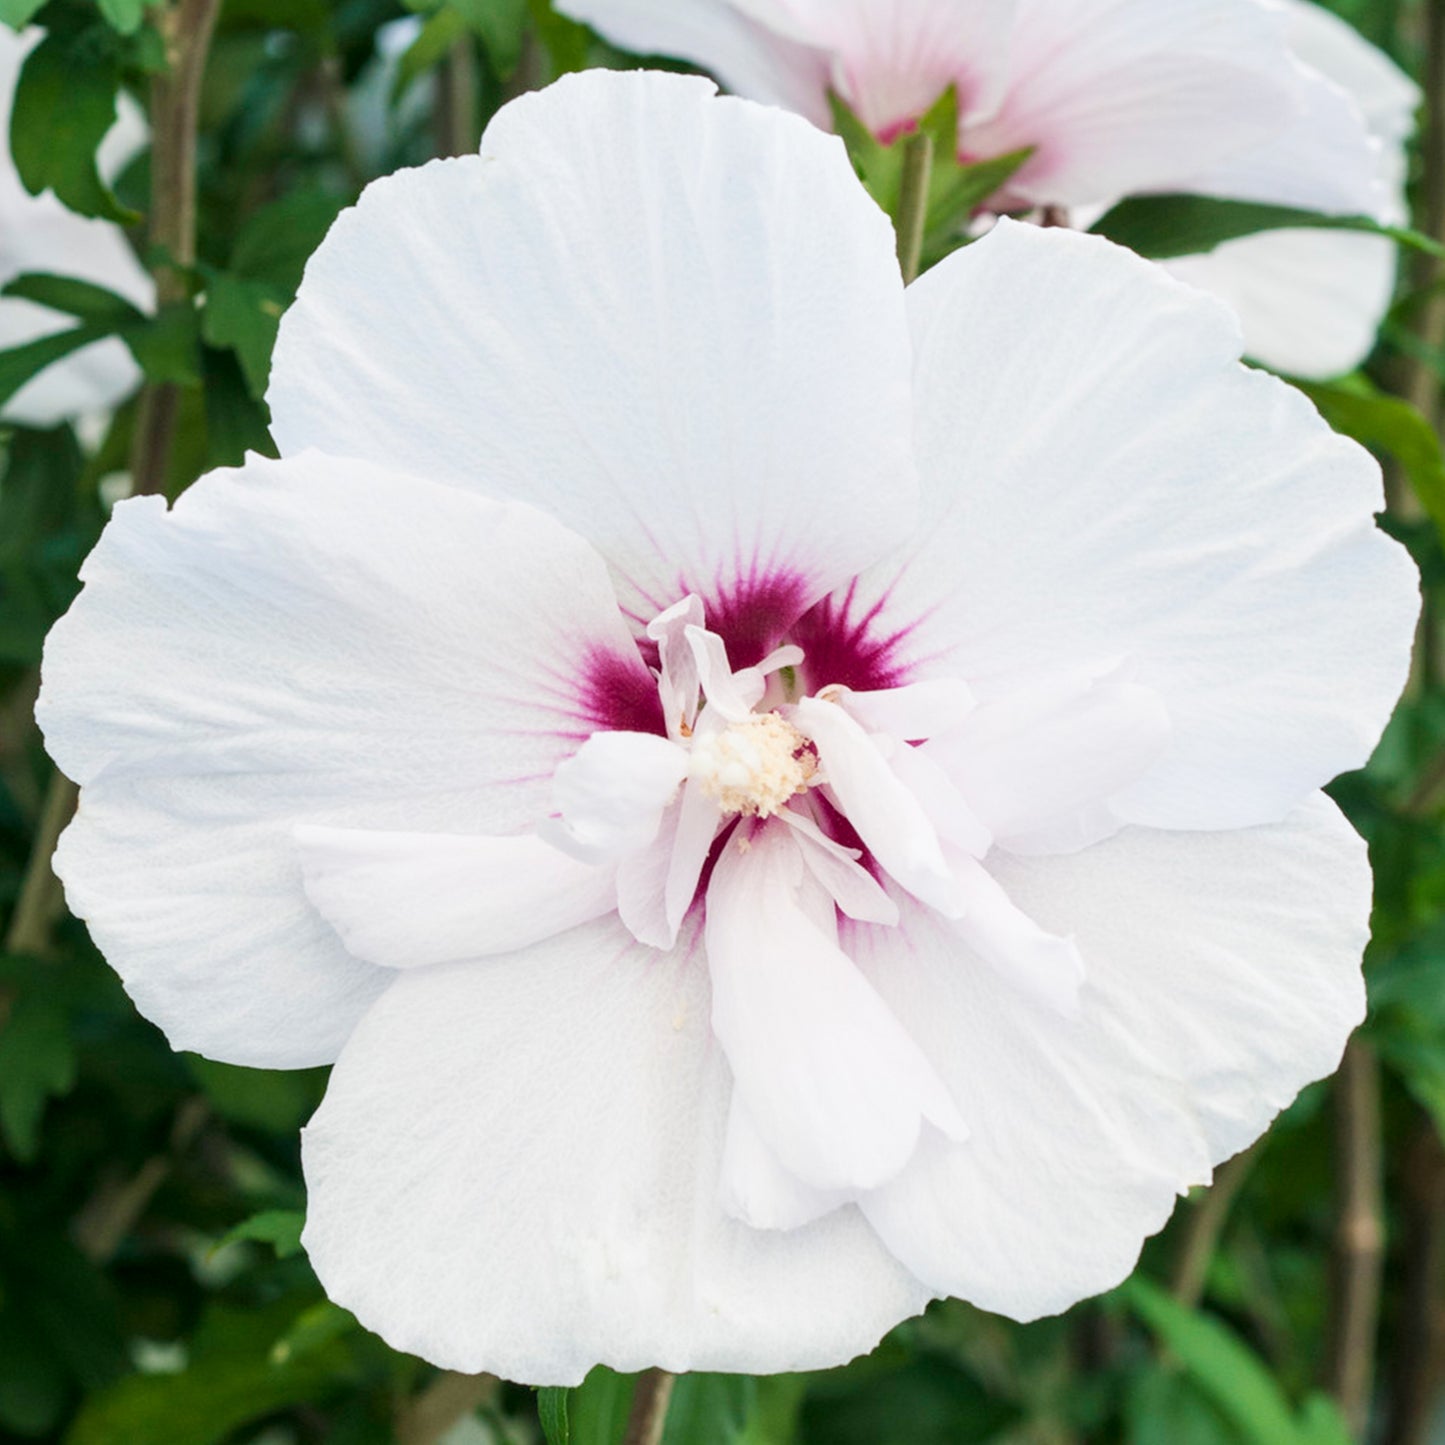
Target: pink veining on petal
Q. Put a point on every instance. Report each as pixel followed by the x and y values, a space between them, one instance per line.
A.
pixel 841 649
pixel 618 696
pixel 753 613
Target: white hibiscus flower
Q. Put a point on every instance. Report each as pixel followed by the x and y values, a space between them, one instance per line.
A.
pixel 1261 100
pixel 38 233
pixel 783 799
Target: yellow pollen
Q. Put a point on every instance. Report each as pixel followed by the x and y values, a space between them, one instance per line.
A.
pixel 755 766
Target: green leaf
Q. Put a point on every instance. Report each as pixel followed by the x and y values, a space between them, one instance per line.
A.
pixel 1165 1407
pixel 166 345
pixel 280 1228
pixel 123 15
pixel 64 105
pixel 278 1101
pixel 598 1408
pixel 81 299
pixel 231 1381
pixel 276 242
pixel 37 1064
pixel 552 1412
pixel 314 1328
pixel 1220 1363
pixel 924 1400
pixel 501 26
pixel 1161 227
pixel 1356 408
pixel 17 14
pixel 244 316
pixel 710 1409
pixel 428 50
pixel 20 363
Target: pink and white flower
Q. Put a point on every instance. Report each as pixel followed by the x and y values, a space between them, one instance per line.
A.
pixel 783 799
pixel 1265 100
pixel 38 233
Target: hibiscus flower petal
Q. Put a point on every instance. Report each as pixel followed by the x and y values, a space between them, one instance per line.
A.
pixel 838 1090
pixel 676 380
pixel 1182 515
pixel 612 793
pixel 1344 151
pixel 749 57
pixel 887 815
pixel 516 1168
pixel 406 900
pixel 1208 1005
pixel 1039 761
pixel 309 641
pixel 891 61
pixel 1120 96
pixel 1310 302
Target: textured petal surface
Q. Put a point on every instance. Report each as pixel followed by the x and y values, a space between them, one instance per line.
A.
pixel 1345 150
pixel 1311 302
pixel 891 59
pixel 302 642
pixel 1223 975
pixel 517 1169
pixel 405 900
pixel 750 58
pixel 1103 484
pixel 627 311
pixel 1132 95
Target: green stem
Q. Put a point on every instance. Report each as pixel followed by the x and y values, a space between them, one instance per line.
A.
pixel 35 908
pixel 649 1408
pixel 175 105
pixel 913 202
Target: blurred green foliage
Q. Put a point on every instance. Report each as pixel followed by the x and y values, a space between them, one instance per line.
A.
pixel 152 1289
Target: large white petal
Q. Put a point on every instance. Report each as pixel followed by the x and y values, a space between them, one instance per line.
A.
pixel 749 57
pixel 1224 975
pixel 1103 482
pixel 1385 95
pixel 1310 302
pixel 406 900
pixel 891 59
pixel 517 1169
pixel 836 1087
pixel 1121 96
pixel 672 320
pixel 308 641
pixel 1345 150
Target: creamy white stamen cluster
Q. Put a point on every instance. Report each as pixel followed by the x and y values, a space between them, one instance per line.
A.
pixel 753 767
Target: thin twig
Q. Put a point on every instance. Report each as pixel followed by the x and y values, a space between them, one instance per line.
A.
pixel 447 1400
pixel 1359 1249
pixel 649 1408
pixel 39 902
pixel 1419 1332
pixel 457 131
pixel 113 1211
pixel 175 104
pixel 1206 1223
pixel 1422 386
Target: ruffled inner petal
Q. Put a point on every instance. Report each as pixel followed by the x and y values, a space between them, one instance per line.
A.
pixel 406 900
pixel 611 793
pixel 835 1085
